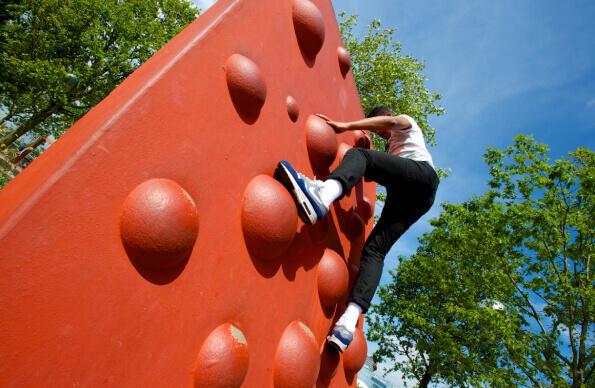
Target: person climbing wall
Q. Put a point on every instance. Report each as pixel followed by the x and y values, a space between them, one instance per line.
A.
pixel 407 172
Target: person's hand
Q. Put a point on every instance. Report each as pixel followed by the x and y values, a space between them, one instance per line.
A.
pixel 336 125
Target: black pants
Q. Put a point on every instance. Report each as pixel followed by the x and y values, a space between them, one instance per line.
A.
pixel 410 188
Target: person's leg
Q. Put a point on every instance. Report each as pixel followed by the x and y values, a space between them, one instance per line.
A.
pixel 404 206
pixel 330 190
pixel 313 197
pixel 391 225
pixel 380 167
pixel 385 233
pixel 388 229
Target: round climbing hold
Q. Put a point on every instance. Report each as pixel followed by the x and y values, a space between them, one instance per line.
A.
pixel 308 24
pixel 247 88
pixel 366 208
pixel 223 359
pixel 269 218
pixel 329 363
pixel 344 60
pixel 333 278
pixel 321 142
pixel 343 148
pixel 361 140
pixel 293 109
pixel 356 226
pixel 353 271
pixel 356 353
pixel 158 224
pixel 297 361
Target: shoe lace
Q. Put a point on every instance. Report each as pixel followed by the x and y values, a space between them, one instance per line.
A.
pixel 314 182
pixel 302 176
pixel 311 181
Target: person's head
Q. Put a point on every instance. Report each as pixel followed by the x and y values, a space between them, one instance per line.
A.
pixel 381 110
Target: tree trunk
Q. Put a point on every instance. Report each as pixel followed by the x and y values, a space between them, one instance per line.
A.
pixel 425 379
pixel 579 374
pixel 28 125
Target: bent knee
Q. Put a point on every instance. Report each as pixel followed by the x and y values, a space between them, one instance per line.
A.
pixel 355 152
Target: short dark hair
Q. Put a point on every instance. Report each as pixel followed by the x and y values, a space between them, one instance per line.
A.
pixel 380 110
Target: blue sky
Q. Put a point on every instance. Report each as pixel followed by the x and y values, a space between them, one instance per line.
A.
pixel 503 67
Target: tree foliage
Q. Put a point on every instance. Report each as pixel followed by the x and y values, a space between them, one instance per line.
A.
pixel 59 58
pixel 384 76
pixel 500 292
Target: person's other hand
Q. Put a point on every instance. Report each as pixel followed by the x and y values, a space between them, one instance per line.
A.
pixel 336 125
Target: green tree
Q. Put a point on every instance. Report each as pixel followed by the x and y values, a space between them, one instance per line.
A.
pixel 440 319
pixel 500 291
pixel 384 76
pixel 59 58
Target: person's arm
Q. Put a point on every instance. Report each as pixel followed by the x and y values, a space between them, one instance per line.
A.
pixel 374 124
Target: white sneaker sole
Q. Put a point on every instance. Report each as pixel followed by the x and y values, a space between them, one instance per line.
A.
pixel 305 210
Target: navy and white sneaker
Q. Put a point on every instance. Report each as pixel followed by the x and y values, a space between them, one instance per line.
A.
pixel 340 338
pixel 305 192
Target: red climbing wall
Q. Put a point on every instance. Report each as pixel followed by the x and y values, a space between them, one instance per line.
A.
pixel 150 245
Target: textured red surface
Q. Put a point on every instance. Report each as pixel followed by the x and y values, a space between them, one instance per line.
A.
pixel 150 246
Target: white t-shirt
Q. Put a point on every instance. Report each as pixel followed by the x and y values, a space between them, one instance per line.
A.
pixel 409 143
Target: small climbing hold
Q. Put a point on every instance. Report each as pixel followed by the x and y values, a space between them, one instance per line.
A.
pixel 361 140
pixel 343 148
pixel 344 60
pixel 293 109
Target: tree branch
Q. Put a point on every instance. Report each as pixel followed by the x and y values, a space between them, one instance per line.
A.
pixel 588 374
pixel 535 316
pixel 540 296
pixel 28 125
pixel 552 260
pixel 7 117
pixel 531 378
pixel 413 363
pixel 582 362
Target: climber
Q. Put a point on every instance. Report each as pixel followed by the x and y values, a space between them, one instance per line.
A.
pixel 407 172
